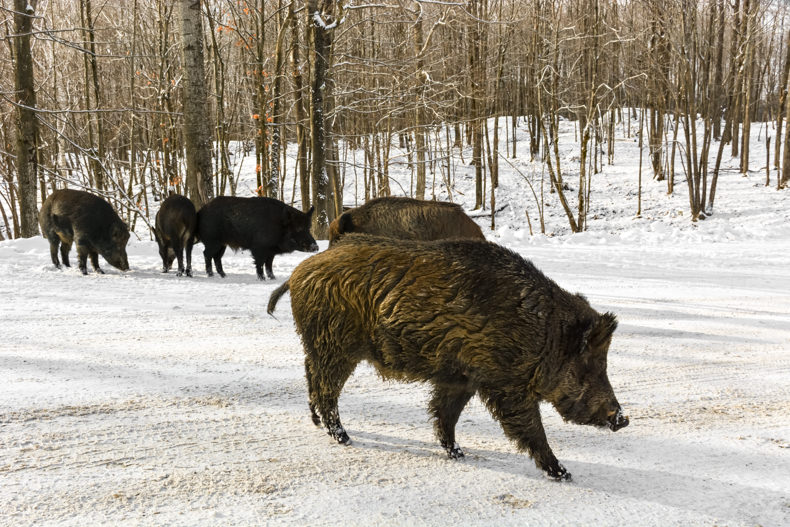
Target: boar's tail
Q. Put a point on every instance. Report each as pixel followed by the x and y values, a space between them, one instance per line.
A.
pixel 276 294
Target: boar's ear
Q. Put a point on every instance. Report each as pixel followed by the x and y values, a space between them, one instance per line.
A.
pixel 310 212
pixel 601 330
pixel 345 223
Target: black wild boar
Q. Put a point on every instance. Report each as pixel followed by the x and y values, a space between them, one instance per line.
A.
pixel 175 229
pixel 407 219
pixel 75 216
pixel 469 317
pixel 265 226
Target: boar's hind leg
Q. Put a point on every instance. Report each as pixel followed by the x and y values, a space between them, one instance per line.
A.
pixel 64 253
pixel 312 392
pixel 326 378
pixel 213 252
pixel 53 251
pixel 218 261
pixel 520 419
pixel 179 250
pixel 190 243
pixel 445 407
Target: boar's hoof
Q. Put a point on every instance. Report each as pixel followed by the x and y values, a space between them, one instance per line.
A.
pixel 189 273
pixel 99 271
pixel 617 420
pixel 340 435
pixel 454 451
pixel 179 273
pixel 558 473
pixel 314 417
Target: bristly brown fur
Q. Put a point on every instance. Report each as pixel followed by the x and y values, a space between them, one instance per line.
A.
pixel 407 219
pixel 73 216
pixel 468 316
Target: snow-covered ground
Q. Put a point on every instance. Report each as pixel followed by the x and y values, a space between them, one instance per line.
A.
pixel 141 398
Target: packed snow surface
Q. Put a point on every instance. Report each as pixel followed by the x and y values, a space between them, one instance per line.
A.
pixel 142 398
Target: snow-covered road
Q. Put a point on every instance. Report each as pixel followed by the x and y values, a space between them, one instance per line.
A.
pixel 147 399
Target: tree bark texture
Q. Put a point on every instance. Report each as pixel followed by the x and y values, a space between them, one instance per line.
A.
pixel 197 134
pixel 26 125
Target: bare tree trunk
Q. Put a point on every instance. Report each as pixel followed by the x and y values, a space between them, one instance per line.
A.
pixel 477 77
pixel 783 90
pixel 419 114
pixel 197 134
pixel 223 156
pixel 318 22
pixel 299 110
pixel 746 96
pixel 276 125
pixel 718 71
pixel 786 154
pixel 27 127
pixel 95 128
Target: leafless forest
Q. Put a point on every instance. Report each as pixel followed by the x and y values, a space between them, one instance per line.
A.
pixel 132 97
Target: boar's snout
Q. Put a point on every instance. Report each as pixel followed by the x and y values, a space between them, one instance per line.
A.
pixel 313 248
pixel 117 259
pixel 617 420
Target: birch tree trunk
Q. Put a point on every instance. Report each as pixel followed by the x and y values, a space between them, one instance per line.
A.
pixel 197 134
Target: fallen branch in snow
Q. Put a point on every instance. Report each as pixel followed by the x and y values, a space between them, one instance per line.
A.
pixel 488 214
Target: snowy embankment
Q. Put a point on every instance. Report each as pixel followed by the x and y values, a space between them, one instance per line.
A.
pixel 145 399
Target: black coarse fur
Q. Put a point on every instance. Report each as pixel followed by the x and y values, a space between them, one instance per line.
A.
pixel 89 221
pixel 407 219
pixel 469 317
pixel 175 231
pixel 265 226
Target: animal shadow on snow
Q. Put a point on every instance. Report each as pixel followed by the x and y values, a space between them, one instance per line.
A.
pixel 692 491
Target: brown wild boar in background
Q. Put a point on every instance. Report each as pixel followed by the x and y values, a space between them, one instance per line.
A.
pixel 407 219
pixel 74 216
pixel 175 230
pixel 265 226
pixel 468 316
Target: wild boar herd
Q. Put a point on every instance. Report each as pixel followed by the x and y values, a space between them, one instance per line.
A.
pixel 264 226
pixel 410 286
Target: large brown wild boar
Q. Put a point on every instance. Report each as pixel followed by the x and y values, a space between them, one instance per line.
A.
pixel 468 316
pixel 407 219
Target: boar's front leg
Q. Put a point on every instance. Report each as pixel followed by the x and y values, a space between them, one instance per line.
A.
pixel 258 257
pixel 269 260
pixel 519 416
pixel 82 257
pixel 95 262
pixel 446 405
